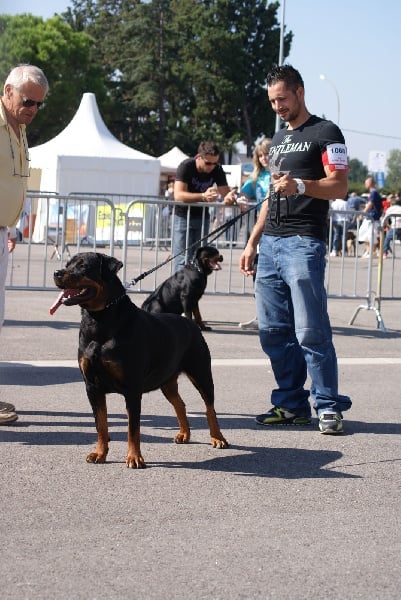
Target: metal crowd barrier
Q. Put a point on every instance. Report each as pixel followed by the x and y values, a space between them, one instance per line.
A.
pixel 139 230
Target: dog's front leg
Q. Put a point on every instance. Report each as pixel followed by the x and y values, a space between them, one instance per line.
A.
pixel 198 319
pixel 99 408
pixel 134 456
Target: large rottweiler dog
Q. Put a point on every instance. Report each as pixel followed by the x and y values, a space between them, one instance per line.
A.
pixel 181 292
pixel 126 350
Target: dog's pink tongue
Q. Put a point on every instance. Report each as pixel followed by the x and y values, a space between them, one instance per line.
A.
pixel 57 303
pixel 67 293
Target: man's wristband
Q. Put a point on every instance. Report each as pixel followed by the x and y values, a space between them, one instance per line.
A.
pixel 203 197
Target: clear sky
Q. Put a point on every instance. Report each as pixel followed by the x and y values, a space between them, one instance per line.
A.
pixel 356 44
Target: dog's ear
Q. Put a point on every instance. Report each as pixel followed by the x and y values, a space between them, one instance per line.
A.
pixel 199 252
pixel 109 264
pixel 206 252
pixel 214 253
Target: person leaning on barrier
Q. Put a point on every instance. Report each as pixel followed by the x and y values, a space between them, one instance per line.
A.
pixel 308 165
pixel 198 179
pixel 24 92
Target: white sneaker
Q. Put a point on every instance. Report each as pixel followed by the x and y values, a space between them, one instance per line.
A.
pixel 333 253
pixel 252 324
pixel 8 417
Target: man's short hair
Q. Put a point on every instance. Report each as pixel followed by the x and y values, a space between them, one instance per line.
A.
pixel 208 148
pixel 286 73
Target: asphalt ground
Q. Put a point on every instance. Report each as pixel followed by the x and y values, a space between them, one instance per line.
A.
pixel 283 513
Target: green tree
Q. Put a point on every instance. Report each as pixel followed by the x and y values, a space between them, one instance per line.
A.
pixel 357 172
pixel 182 70
pixel 223 50
pixel 165 72
pixel 130 49
pixel 393 179
pixel 65 57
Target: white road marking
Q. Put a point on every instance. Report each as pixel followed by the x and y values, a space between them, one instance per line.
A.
pixel 216 362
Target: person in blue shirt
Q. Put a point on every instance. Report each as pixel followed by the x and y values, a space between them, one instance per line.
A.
pixel 256 188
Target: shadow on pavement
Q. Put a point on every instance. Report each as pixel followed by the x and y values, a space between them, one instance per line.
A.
pixel 48 324
pixel 288 463
pixel 24 374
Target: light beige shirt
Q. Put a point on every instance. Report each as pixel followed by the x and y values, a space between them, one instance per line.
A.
pixel 14 169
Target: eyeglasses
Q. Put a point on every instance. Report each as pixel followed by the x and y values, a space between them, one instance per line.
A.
pixel 28 103
pixel 209 163
pixel 27 158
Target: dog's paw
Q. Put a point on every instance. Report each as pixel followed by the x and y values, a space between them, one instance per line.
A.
pixel 95 457
pixel 135 462
pixel 220 442
pixel 182 437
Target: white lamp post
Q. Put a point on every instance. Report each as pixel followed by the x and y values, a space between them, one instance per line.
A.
pixel 324 78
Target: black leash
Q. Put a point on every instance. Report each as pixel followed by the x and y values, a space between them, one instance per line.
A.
pixel 219 230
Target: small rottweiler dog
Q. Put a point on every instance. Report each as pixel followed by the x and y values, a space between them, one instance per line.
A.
pixel 181 292
pixel 125 350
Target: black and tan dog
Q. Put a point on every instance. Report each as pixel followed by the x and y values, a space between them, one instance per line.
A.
pixel 180 293
pixel 125 350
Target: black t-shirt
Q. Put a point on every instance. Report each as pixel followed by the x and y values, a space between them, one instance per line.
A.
pixel 303 153
pixel 197 183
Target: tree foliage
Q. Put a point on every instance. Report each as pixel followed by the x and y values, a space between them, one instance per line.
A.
pixel 393 179
pixel 357 172
pixel 165 72
pixel 185 70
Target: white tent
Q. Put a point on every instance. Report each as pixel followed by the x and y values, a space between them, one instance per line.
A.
pixel 86 157
pixel 171 159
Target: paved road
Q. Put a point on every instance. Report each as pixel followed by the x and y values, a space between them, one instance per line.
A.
pixel 282 514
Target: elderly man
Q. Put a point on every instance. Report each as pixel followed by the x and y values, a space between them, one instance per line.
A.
pixel 24 92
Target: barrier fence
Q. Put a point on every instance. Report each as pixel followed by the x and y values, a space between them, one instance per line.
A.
pixel 139 231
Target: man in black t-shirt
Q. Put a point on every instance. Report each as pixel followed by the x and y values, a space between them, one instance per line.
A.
pixel 308 164
pixel 198 179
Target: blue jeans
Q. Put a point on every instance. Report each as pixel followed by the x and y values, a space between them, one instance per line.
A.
pixel 338 230
pixel 294 326
pixel 186 235
pixel 389 238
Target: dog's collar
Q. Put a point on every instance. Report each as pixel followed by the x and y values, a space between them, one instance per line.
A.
pixel 195 266
pixel 115 301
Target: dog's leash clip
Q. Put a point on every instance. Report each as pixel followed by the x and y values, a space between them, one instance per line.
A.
pixel 136 279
